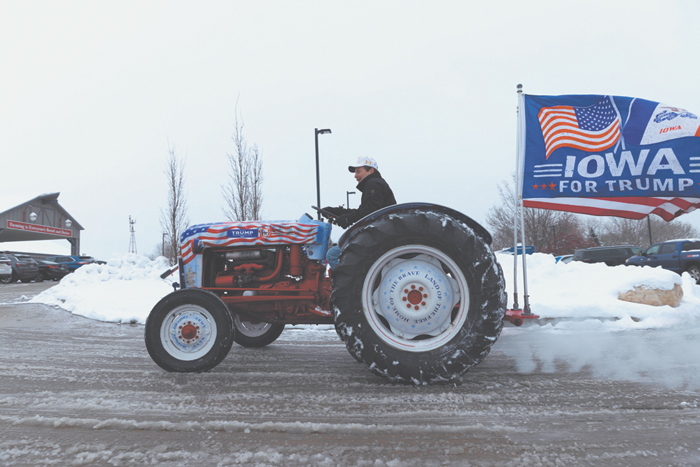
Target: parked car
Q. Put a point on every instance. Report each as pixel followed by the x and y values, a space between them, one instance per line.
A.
pixel 71 262
pixel 24 268
pixel 529 249
pixel 610 255
pixel 5 268
pixel 675 255
pixel 564 259
pixel 91 260
pixel 50 271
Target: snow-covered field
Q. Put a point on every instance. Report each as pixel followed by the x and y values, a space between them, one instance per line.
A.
pixel 582 323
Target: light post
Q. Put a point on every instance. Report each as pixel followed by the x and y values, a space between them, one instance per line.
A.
pixel 163 247
pixel 318 176
pixel 348 193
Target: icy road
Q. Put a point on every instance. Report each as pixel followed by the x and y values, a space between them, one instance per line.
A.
pixel 75 391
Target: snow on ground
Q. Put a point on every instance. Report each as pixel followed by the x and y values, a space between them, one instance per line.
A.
pixel 582 323
pixel 123 290
pixel 580 291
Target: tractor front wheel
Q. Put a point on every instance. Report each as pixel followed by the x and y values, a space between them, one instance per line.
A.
pixel 189 330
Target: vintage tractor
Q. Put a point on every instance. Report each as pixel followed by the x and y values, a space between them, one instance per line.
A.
pixel 418 295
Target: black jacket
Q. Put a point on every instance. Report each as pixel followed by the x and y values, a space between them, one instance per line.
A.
pixel 376 195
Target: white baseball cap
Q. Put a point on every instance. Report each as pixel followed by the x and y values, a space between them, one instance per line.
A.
pixel 363 162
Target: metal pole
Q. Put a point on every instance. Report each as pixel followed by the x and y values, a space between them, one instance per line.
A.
pixel 651 242
pixel 521 157
pixel 348 193
pixel 318 172
pixel 526 297
pixel 318 175
pixel 516 306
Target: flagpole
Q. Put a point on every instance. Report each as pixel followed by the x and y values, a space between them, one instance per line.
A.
pixel 516 192
pixel 521 155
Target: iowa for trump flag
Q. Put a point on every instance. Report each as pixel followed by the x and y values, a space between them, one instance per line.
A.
pixel 609 156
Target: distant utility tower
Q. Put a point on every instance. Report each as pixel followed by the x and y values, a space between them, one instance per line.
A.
pixel 132 240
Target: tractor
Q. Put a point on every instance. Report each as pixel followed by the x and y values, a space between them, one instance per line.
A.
pixel 418 296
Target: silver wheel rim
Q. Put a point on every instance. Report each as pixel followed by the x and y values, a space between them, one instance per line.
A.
pixel 415 298
pixel 695 274
pixel 188 332
pixel 249 329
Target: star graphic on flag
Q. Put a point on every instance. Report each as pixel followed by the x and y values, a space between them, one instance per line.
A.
pixel 535 186
pixel 544 186
pixel 552 186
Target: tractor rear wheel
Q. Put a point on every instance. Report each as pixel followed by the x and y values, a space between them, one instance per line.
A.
pixel 419 297
pixel 189 330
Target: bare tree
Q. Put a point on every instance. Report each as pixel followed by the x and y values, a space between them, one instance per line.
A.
pixel 548 231
pixel 561 232
pixel 243 191
pixel 173 220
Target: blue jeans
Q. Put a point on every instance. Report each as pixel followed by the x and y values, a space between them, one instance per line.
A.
pixel 333 256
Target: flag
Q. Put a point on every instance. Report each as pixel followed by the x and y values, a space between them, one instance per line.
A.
pixel 592 128
pixel 629 208
pixel 609 156
pixel 653 122
pixel 245 233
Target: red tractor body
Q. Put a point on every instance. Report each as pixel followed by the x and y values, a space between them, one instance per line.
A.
pixel 417 295
pixel 272 271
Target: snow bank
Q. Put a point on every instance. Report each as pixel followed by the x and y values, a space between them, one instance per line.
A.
pixel 584 325
pixel 578 290
pixel 123 290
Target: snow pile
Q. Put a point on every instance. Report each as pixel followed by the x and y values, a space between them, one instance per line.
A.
pixel 578 290
pixel 583 325
pixel 123 290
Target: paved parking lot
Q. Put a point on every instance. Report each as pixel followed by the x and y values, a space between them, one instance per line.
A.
pixel 75 391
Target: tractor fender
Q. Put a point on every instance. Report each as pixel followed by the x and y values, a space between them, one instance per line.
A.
pixel 479 230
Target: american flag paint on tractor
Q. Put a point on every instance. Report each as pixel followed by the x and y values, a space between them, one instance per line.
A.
pixel 224 234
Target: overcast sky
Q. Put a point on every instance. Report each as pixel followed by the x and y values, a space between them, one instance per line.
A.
pixel 92 94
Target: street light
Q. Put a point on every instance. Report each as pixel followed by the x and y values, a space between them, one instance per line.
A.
pixel 348 193
pixel 318 176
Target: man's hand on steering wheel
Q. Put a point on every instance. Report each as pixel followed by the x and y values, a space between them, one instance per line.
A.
pixel 335 212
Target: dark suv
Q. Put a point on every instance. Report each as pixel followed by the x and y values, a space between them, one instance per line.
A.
pixel 71 262
pixel 5 268
pixel 610 255
pixel 24 268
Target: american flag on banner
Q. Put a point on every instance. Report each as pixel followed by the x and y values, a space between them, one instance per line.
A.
pixel 609 156
pixel 592 128
pixel 629 208
pixel 245 233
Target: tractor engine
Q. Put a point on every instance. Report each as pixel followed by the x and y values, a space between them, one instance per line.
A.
pixel 273 284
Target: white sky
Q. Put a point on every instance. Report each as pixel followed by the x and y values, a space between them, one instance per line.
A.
pixel 91 93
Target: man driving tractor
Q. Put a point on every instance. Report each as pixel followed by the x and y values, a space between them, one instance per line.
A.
pixel 376 195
